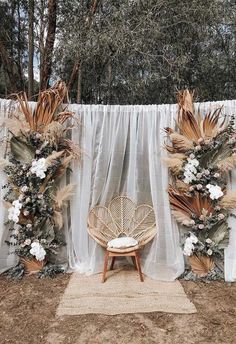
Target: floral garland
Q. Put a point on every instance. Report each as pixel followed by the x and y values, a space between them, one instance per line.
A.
pixel 39 154
pixel 202 152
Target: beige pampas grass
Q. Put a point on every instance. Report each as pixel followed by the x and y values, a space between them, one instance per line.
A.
pixel 58 219
pixel 175 162
pixel 53 157
pixel 64 194
pixel 227 164
pixel 229 200
pixel 181 142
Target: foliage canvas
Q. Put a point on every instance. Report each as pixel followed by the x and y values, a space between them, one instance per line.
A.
pixel 39 153
pixel 201 154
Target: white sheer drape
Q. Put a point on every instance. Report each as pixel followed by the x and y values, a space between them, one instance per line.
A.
pixel 123 147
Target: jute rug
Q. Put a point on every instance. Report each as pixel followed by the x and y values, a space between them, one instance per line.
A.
pixel 122 293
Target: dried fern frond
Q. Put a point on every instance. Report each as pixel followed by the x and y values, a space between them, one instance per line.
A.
pixel 53 157
pixel 227 164
pixel 228 201
pixel 58 219
pixel 64 194
pixel 180 216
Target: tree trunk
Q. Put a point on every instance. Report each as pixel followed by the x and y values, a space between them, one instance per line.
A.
pixel 41 36
pixel 9 68
pixel 79 88
pixel 31 49
pixel 48 51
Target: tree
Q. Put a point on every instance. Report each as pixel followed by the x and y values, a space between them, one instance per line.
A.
pixel 50 39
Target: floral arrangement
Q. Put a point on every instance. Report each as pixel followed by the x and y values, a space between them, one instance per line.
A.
pixel 201 153
pixel 39 153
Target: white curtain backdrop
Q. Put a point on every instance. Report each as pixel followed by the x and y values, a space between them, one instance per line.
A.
pixel 123 148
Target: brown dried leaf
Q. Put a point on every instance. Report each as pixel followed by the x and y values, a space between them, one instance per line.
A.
pixel 201 265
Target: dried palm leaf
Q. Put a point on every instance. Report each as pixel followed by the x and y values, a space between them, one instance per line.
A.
pixel 194 126
pixel 64 194
pixel 201 265
pixel 180 216
pixel 189 204
pixel 185 101
pixel 4 163
pixel 46 110
pixel 58 219
pixel 227 164
pixel 228 201
pixel 16 125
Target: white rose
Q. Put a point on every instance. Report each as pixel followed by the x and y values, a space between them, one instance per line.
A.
pixel 215 191
pixel 209 252
pixel 208 241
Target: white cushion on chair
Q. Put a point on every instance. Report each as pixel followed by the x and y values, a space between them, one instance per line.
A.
pixel 122 242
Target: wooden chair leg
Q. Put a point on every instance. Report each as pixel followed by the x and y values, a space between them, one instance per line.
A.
pixel 134 262
pixel 105 266
pixel 137 259
pixel 112 263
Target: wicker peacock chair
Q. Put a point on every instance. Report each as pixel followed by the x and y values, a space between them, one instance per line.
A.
pixel 122 219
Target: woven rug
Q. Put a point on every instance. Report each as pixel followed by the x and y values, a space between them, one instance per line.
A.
pixel 122 293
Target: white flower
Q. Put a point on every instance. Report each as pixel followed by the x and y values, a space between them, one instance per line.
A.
pixel 207 172
pixel 27 242
pixel 21 197
pixel 199 186
pixel 192 156
pixel 38 251
pixel 24 188
pixel 215 191
pixel 209 252
pixel 37 151
pixel 193 238
pixel 216 175
pixel 27 200
pixel 197 148
pixel 14 211
pixel 208 241
pixel 29 225
pixel 189 244
pixel 26 213
pixel 39 167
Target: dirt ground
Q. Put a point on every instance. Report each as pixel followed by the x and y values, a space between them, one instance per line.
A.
pixel 27 315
